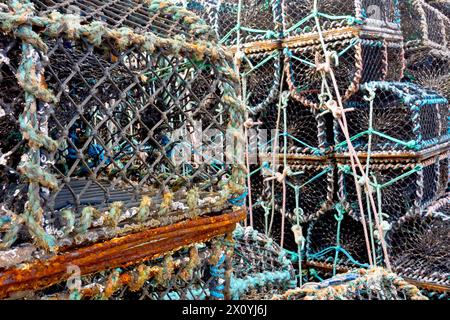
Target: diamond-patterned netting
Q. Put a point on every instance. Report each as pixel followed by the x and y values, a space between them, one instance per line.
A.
pixel 405 117
pixel 121 123
pixel 336 242
pixel 306 130
pixel 256 20
pixel 430 70
pixel 162 18
pixel 374 12
pixel 404 187
pixel 424 26
pixel 418 244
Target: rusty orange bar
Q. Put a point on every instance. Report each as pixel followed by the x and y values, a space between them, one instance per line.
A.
pixel 118 252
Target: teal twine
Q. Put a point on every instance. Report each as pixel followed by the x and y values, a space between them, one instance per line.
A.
pixel 217 273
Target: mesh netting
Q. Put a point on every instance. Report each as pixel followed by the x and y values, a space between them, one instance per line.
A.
pixel 424 26
pixel 336 242
pixel 404 117
pixel 161 18
pixel 261 78
pixel 402 187
pixel 309 193
pixel 383 13
pixel 430 70
pixel 418 245
pixel 132 126
pixel 360 61
pixel 305 130
pixel 260 267
pixel 259 19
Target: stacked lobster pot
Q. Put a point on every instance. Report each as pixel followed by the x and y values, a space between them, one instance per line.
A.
pixel 426 28
pixel 108 189
pixel 243 21
pixel 418 245
pixel 363 36
pixel 400 132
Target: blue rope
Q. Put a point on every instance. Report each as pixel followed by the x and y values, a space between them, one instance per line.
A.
pixel 216 289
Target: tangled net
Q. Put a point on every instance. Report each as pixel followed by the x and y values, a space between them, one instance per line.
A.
pixel 261 268
pixel 361 284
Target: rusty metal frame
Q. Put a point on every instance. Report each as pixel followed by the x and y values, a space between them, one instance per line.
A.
pixel 118 252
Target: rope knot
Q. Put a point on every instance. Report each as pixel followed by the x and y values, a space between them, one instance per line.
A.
pixel 336 110
pixel 249 123
pixel 326 66
pixel 298 236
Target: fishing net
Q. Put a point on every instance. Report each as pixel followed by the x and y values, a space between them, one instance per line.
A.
pixel 161 18
pixel 336 240
pixel 260 266
pixel 418 244
pixel 424 26
pixel 403 118
pixel 401 188
pixel 261 73
pixel 115 127
pixel 378 13
pixel 354 53
pixel 305 130
pixel 361 284
pixel 255 20
pixel 309 193
pixel 441 5
pixel 430 71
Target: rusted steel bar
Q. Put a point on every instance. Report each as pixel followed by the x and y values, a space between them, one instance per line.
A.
pixel 118 252
pixel 417 155
pixel 420 284
pixel 311 38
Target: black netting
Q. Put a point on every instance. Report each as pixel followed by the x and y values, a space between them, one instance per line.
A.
pixel 325 238
pixel 418 246
pixel 403 187
pixel 305 132
pixel 135 14
pixel 405 117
